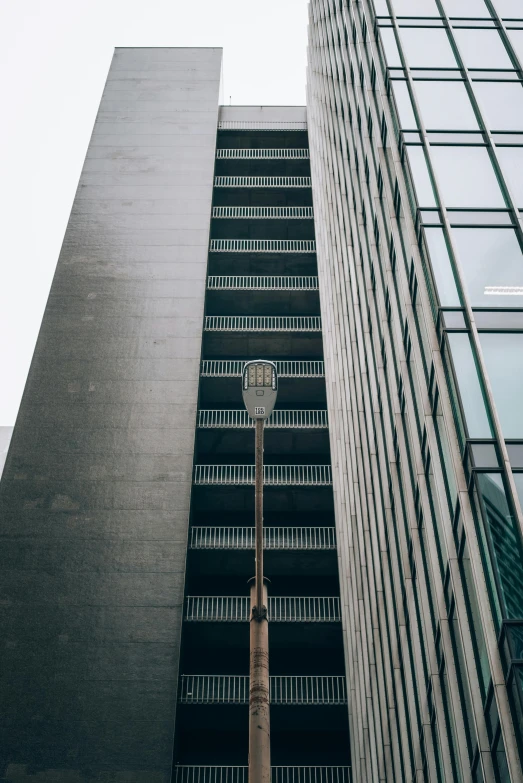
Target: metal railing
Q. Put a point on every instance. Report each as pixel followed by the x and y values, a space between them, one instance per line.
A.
pixel 278 420
pixel 310 775
pixel 237 153
pixel 273 475
pixel 278 125
pixel 261 213
pixel 273 537
pixel 308 690
pixel 232 368
pixel 262 246
pixel 281 609
pixel 262 283
pixel 233 689
pixel 262 182
pixel 198 774
pixel 262 323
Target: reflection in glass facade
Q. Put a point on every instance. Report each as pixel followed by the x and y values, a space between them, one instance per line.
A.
pixel 488 282
pixel 416 131
pixel 506 549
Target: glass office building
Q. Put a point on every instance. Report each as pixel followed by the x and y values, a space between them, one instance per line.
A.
pixel 415 112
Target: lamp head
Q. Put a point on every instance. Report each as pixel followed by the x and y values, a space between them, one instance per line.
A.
pixel 259 388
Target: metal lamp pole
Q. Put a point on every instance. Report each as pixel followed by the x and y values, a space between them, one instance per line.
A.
pixel 259 387
pixel 259 716
pixel 260 603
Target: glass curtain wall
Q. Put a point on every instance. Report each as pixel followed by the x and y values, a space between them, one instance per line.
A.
pixel 457 95
pixel 461 124
pixel 417 108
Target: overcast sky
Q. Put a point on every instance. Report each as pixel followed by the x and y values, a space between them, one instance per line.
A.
pixel 54 58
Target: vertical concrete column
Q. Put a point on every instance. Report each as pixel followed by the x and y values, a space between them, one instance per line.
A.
pixel 94 501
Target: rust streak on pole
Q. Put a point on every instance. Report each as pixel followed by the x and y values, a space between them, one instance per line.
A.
pixel 259 718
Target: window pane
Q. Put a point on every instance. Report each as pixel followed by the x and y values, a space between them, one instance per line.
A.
pixel 492 265
pixel 515 453
pixel 474 616
pixel 380 6
pixel 500 319
pixel 415 8
pixel 426 47
pixel 445 106
pixel 509 9
pixel 511 159
pixel 463 684
pixel 390 47
pixel 468 383
pixel 482 49
pixel 440 262
pixel 502 104
pixel 404 104
pixel 420 175
pixel 516 38
pixel 505 539
pixel 466 177
pixel 467 8
pixel 518 478
pixel 503 354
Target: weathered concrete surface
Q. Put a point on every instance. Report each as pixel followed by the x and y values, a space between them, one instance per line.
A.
pixel 95 497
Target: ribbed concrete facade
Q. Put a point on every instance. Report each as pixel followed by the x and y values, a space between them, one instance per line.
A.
pixel 429 619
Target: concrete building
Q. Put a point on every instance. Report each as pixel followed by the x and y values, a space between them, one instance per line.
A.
pixel 370 244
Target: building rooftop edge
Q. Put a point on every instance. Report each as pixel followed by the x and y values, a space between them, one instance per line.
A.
pixel 168 47
pixel 263 106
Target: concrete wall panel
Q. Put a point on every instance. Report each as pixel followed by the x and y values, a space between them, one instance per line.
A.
pixel 95 498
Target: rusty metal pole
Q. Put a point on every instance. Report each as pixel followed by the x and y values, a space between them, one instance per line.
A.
pixel 259 719
pixel 258 513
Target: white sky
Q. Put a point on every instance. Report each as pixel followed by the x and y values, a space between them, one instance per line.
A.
pixel 54 58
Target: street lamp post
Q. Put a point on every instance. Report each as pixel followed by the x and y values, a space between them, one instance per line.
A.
pixel 260 389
